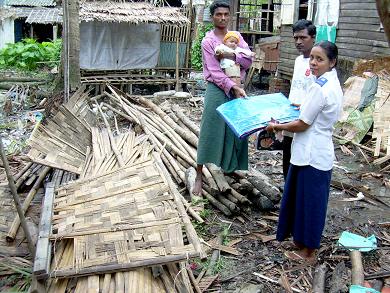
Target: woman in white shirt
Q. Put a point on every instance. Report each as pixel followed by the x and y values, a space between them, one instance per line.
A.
pixel 305 198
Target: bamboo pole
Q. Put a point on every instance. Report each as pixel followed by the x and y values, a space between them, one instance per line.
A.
pixel 16 222
pixel 120 267
pixel 112 141
pixel 21 172
pixel 357 272
pixel 187 122
pixel 216 203
pixel 15 195
pixel 177 58
pixel 191 233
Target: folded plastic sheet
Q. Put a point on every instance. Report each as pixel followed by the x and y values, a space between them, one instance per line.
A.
pixel 246 116
pixel 353 241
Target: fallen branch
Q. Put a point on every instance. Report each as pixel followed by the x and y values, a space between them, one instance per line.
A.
pixel 273 281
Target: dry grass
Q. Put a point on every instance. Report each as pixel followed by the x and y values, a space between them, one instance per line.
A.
pixel 15 274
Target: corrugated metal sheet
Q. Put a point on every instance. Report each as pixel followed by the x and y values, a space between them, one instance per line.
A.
pixel 32 3
pixel 22 12
pixel 45 15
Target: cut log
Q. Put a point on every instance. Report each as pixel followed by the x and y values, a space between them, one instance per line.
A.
pixel 262 183
pixel 319 279
pixel 216 203
pixel 337 282
pixel 219 178
pixel 15 79
pixel 242 199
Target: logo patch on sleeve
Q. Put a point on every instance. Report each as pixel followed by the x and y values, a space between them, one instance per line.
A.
pixel 321 81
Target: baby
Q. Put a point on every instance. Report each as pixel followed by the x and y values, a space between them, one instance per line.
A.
pixel 230 45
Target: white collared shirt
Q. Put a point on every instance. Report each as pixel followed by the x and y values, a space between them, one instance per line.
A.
pixel 321 110
pixel 301 81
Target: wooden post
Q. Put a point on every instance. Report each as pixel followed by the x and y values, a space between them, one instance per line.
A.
pixel 65 49
pixel 42 257
pixel 31 31
pixel 189 29
pixel 18 205
pixel 177 57
pixel 55 31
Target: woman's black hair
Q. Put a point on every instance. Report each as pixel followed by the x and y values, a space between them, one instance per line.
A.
pixel 330 49
pixel 305 24
pixel 218 3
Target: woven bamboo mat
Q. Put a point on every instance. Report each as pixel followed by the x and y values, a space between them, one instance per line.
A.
pixel 102 159
pixel 63 142
pixel 169 278
pixel 134 205
pixel 381 114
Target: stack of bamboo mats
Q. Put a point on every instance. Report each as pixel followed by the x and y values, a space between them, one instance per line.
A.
pixel 124 212
pixel 122 219
pixel 63 142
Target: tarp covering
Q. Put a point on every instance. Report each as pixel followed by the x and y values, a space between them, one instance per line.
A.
pixel 114 46
pixel 246 116
pixel 168 54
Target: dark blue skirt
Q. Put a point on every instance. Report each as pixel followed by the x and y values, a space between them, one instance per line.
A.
pixel 304 204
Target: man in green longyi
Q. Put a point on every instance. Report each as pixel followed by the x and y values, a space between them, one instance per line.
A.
pixel 217 142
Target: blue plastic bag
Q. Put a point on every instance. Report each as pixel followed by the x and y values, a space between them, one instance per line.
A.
pixel 246 116
pixel 360 289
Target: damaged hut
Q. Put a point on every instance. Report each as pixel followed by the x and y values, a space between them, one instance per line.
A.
pixel 126 36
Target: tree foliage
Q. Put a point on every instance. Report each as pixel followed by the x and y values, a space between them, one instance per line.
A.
pixel 196 52
pixel 25 54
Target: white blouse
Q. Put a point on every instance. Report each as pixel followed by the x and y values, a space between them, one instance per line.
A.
pixel 321 110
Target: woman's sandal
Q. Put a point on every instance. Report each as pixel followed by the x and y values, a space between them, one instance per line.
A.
pixel 294 256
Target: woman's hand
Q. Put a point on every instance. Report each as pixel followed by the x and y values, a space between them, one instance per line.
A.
pixel 270 127
pixel 297 106
pixel 238 92
pixel 220 55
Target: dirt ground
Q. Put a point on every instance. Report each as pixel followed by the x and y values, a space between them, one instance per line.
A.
pixel 361 217
pixel 253 230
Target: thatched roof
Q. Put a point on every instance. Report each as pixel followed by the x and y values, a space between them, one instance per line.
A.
pixel 32 3
pixel 131 12
pixel 45 15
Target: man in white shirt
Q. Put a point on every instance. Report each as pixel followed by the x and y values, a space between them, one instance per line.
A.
pixel 304 33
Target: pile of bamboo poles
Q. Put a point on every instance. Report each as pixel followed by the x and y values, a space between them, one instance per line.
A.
pixel 31 178
pixel 175 137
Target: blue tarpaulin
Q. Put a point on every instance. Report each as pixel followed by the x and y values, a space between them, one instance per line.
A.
pixel 246 116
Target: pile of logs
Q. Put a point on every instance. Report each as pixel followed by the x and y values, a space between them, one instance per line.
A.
pixel 175 137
